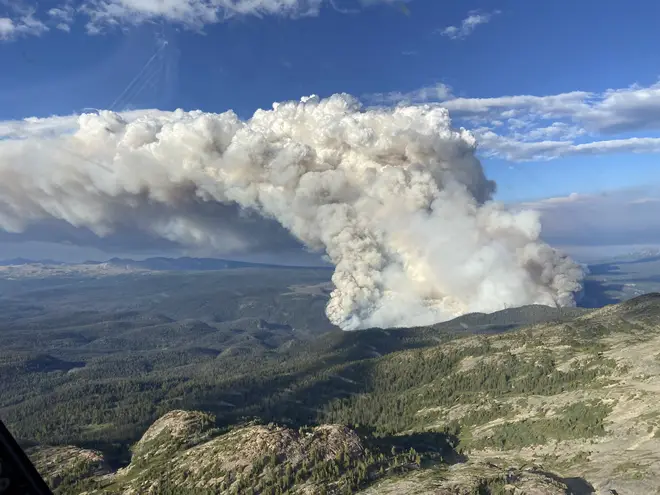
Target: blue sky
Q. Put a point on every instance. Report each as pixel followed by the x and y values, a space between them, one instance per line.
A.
pixel 593 67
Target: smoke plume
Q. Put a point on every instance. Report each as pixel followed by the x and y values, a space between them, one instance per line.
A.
pixel 395 198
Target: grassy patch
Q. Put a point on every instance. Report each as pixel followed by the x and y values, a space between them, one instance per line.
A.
pixel 631 470
pixel 563 463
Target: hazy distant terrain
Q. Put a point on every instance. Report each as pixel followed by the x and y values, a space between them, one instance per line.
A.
pixel 221 296
pixel 622 277
pixel 610 279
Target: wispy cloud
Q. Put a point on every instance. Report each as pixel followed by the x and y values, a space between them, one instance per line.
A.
pixel 494 145
pixel 468 25
pixel 101 16
pixel 23 24
pixel 614 110
pixel 62 16
pixel 6 28
pixel 529 127
pixel 434 93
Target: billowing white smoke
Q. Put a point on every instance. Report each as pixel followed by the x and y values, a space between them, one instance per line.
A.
pixel 395 197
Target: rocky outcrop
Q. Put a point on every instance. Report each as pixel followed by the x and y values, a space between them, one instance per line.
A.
pixel 175 431
pixel 64 463
pixel 183 452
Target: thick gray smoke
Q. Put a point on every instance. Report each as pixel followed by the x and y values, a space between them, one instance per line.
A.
pixel 395 197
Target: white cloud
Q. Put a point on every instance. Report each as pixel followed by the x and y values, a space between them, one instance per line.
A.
pixel 530 127
pixel 633 108
pixel 495 145
pixel 102 15
pixel 468 25
pixel 571 198
pixel 195 14
pixel 24 24
pixel 6 28
pixel 551 106
pixel 436 92
pixel 557 130
pixel 62 16
pixel 612 111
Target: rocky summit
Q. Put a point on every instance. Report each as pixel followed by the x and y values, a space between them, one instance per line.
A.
pixel 183 453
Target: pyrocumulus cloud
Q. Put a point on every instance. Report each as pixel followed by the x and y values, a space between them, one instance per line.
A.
pixel 395 197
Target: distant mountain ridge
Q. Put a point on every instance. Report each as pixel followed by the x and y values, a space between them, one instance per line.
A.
pixel 644 253
pixel 636 256
pixel 158 264
pixel 25 261
pixel 187 263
